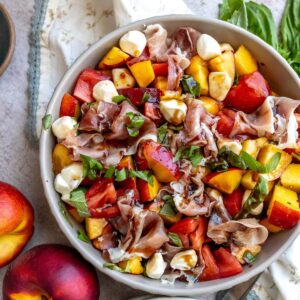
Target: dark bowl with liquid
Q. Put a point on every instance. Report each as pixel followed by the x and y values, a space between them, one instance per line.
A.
pixel 7 38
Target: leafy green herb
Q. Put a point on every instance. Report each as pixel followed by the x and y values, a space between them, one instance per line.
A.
pixel 232 158
pixel 90 166
pixel 110 172
pixel 145 98
pixel 169 209
pixel 114 267
pixel 144 175
pixel 257 196
pixel 162 133
pixel 77 199
pixel 220 165
pixel 136 122
pixel 118 99
pixel 63 211
pixel 249 258
pixel 289 34
pixel 191 153
pixel 47 121
pixel 175 239
pixel 81 235
pixel 190 85
pixel 254 165
pixel 120 175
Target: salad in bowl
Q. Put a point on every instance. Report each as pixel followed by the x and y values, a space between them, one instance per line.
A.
pixel 177 157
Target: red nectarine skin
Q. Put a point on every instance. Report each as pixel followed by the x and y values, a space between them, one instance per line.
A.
pixel 56 271
pixel 16 222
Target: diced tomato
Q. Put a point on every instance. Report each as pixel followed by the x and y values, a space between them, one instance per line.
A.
pixel 152 111
pixel 136 95
pixel 160 69
pixel 211 269
pixel 101 196
pixel 291 151
pixel 233 201
pixel 107 212
pixel 226 121
pixel 185 226
pixel 249 93
pixel 69 106
pixel 140 160
pixel 198 236
pixel 227 263
pixel 85 83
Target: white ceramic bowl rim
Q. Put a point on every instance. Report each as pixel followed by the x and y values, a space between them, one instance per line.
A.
pixel 47 175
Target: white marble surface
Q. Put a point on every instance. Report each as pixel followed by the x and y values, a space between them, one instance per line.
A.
pixel 19 161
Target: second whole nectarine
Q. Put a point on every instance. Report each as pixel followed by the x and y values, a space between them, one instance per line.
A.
pixel 16 222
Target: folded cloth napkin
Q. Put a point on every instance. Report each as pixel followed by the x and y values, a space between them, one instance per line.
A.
pixel 63 29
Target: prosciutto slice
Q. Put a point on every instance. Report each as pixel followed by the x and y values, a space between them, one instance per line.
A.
pixel 146 232
pixel 244 232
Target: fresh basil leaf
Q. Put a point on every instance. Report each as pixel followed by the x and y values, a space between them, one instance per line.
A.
pixel 220 165
pixel 120 175
pixel 144 175
pixel 249 258
pixel 110 172
pixel 162 132
pixel 167 198
pixel 175 239
pixel 190 85
pixel 272 163
pixel 136 122
pixel 251 162
pixel 118 99
pixel 178 154
pixel 194 155
pixel 81 235
pixel 78 200
pixel 240 17
pixel 231 158
pixel 90 166
pixel 145 98
pixel 261 188
pixel 114 267
pixel 47 121
pixel 168 210
pixel 228 7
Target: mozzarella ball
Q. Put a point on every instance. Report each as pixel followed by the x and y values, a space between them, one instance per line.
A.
pixel 219 85
pixel 232 145
pixel 184 260
pixel 105 90
pixel 63 126
pixel 208 47
pixel 173 110
pixel 156 266
pixel 133 43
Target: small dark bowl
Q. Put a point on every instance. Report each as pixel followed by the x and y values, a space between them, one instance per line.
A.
pixel 7 38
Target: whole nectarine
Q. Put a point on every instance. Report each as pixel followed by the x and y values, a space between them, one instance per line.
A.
pixel 51 272
pixel 16 222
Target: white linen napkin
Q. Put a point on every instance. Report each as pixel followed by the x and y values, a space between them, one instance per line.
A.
pixel 63 29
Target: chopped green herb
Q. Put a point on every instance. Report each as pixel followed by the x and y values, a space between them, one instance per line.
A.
pixel 120 175
pixel 162 133
pixel 232 158
pixel 167 198
pixel 81 235
pixel 114 267
pixel 191 153
pixel 90 166
pixel 77 199
pixel 144 175
pixel 136 122
pixel 190 85
pixel 175 128
pixel 249 258
pixel 146 97
pixel 118 99
pixel 220 165
pixel 110 172
pixel 47 121
pixel 175 239
pixel 168 210
pixel 179 154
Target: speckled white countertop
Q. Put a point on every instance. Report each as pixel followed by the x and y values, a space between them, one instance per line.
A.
pixel 19 163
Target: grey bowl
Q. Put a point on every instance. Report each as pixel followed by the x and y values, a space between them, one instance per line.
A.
pixel 282 79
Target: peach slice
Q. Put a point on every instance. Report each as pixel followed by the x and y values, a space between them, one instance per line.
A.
pixel 147 191
pixel 160 160
pixel 114 58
